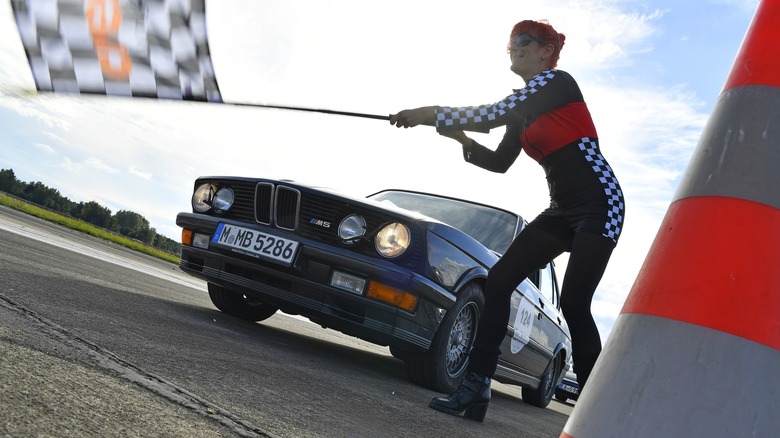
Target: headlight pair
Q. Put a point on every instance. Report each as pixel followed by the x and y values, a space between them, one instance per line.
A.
pixel 208 196
pixel 391 241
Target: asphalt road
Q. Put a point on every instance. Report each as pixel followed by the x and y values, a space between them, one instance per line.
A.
pixel 96 340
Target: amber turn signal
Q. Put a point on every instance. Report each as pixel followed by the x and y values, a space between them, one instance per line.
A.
pixel 186 237
pixel 395 297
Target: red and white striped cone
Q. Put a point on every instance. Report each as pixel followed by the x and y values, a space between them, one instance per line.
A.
pixel 695 351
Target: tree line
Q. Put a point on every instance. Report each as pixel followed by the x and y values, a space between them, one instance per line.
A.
pixel 124 222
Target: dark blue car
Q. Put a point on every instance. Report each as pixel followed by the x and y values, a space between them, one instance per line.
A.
pixel 401 269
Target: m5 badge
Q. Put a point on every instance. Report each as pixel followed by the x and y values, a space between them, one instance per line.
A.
pixel 319 223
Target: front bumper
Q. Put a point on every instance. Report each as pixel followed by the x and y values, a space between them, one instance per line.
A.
pixel 304 288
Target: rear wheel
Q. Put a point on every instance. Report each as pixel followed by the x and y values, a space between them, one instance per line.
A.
pixel 239 305
pixel 443 366
pixel 541 396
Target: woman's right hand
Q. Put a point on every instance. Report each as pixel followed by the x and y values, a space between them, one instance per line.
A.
pixel 410 118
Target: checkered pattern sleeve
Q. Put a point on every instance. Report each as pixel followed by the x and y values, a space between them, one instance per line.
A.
pixel 483 118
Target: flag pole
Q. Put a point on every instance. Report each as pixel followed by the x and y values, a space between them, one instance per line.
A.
pixel 28 91
pixel 317 110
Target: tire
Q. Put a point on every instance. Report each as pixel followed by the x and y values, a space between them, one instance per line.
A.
pixel 541 396
pixel 561 398
pixel 239 305
pixel 443 366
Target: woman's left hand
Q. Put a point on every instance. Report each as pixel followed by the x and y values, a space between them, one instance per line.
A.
pixel 459 136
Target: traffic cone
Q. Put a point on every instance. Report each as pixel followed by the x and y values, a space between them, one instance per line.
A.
pixel 695 351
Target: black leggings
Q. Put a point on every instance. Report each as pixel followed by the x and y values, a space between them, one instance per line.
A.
pixel 532 249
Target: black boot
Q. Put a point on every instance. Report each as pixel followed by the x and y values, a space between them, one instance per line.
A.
pixel 472 396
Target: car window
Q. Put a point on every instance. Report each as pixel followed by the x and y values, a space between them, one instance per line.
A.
pixel 492 227
pixel 548 287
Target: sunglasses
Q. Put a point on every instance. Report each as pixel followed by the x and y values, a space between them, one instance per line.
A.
pixel 522 40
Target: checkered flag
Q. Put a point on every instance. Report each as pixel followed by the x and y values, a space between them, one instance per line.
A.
pixel 144 48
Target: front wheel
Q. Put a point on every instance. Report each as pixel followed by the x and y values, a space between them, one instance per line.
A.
pixel 443 366
pixel 541 396
pixel 239 305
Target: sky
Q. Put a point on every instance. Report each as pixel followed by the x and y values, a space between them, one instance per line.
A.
pixel 651 73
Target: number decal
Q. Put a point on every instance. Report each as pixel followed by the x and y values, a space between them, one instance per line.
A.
pixel 525 318
pixel 524 324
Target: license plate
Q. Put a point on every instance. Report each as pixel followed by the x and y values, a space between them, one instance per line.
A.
pixel 256 244
pixel 570 389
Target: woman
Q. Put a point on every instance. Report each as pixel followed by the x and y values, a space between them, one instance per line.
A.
pixel 548 119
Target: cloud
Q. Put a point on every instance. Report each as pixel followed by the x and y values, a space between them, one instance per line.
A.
pixel 89 163
pixel 45 148
pixel 140 174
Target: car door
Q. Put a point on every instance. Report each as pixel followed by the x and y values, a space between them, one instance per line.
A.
pixel 521 347
pixel 533 323
pixel 555 327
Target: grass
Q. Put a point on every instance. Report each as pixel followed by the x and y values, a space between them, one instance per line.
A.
pixel 86 228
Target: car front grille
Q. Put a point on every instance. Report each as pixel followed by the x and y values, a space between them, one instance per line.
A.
pixel 278 205
pixel 287 207
pixel 305 213
pixel 264 198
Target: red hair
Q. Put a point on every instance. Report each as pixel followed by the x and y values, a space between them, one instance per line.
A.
pixel 545 32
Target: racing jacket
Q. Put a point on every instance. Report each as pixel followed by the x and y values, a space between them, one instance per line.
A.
pixel 549 120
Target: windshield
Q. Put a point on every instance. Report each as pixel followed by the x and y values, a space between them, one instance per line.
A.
pixel 492 227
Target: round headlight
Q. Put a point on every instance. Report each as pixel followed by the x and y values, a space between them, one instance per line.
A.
pixel 223 199
pixel 352 228
pixel 393 240
pixel 202 198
